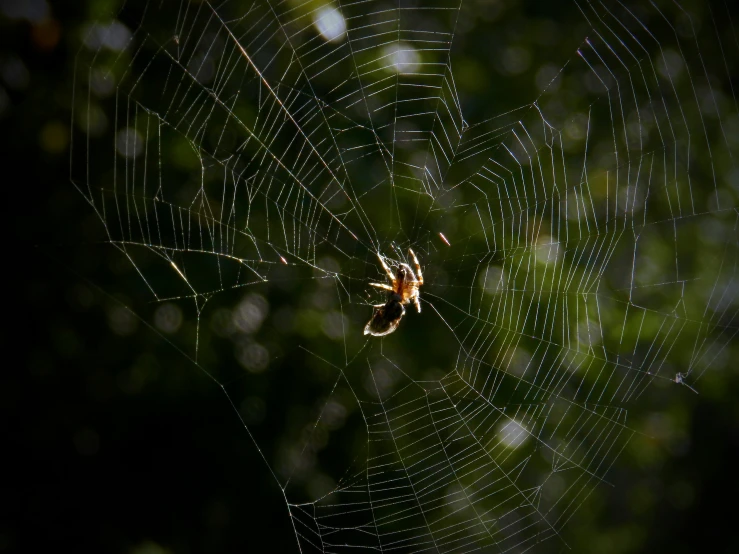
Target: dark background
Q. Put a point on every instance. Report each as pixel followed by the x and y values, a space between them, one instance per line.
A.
pixel 99 461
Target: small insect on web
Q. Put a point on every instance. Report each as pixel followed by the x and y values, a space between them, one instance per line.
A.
pixel 404 289
pixel 680 380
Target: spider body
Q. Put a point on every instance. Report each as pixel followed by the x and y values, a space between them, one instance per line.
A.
pixel 404 289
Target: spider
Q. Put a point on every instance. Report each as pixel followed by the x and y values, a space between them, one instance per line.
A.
pixel 404 290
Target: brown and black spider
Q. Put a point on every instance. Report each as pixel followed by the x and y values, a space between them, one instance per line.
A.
pixel 404 290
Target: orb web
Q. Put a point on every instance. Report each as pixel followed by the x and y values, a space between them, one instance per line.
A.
pixel 578 248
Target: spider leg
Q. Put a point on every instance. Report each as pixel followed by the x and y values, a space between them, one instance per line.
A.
pixel 417 302
pixel 385 267
pixel 418 268
pixel 382 286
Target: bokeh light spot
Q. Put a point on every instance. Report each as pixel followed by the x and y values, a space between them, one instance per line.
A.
pixel 54 137
pixel 512 434
pixel 250 313
pixel 330 24
pixel 168 318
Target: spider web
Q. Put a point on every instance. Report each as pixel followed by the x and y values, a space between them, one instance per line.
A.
pixel 578 248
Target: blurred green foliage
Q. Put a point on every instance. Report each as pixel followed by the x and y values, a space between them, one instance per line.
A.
pixel 125 437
